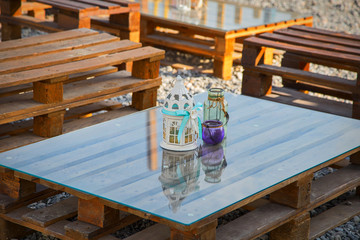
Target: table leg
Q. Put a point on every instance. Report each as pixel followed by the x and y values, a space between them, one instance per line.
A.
pixel 15 187
pixel 9 230
pixel 10 8
pixel 49 91
pixel 223 62
pixel 94 219
pixel 205 232
pixel 296 229
pixel 145 69
pixel 70 20
pixel 296 195
pixel 256 84
pixel 131 21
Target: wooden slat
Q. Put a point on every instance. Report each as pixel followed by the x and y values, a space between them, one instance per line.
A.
pixel 179 44
pixel 28 6
pixel 348 59
pixel 32 22
pixel 34 75
pixel 334 217
pixel 70 5
pixel 80 93
pixel 318 38
pixel 296 98
pixel 52 59
pixel 308 77
pixel 54 213
pixel 46 39
pixel 53 47
pixel 315 43
pixel 155 232
pixel 326 32
pixel 72 78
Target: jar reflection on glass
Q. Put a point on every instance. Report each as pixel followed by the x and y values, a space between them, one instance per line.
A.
pixel 216 107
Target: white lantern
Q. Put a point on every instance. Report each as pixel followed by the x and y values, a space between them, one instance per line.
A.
pixel 181 124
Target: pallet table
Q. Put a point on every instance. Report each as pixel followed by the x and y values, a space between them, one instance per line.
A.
pixel 216 30
pixel 119 17
pixel 52 80
pixel 119 173
pixel 304 45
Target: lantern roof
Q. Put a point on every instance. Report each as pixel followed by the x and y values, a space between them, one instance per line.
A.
pixel 179 97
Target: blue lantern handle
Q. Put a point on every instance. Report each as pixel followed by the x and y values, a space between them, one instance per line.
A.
pixel 186 114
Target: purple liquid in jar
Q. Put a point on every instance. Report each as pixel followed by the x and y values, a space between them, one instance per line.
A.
pixel 212 132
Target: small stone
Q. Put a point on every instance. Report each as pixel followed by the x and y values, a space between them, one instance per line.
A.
pixel 356 219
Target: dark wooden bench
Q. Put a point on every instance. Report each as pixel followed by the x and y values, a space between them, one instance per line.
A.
pixel 304 45
pixel 119 17
pixel 53 83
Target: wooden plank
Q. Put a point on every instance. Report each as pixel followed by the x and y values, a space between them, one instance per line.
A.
pixel 51 59
pixel 79 66
pixel 296 98
pixel 319 38
pixel 326 32
pixel 155 232
pixel 179 44
pixel 308 77
pixel 58 46
pixel 334 217
pixel 31 6
pixel 28 21
pixel 74 6
pixel 82 230
pixel 46 39
pixel 82 93
pixel 315 43
pixel 349 59
pixel 59 211
pixel 72 78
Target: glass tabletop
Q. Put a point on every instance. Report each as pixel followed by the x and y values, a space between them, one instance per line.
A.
pixel 121 160
pixel 216 14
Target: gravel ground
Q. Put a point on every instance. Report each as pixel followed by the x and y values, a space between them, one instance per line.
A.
pixel 337 15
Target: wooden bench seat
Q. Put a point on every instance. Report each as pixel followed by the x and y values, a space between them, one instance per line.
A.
pixel 69 76
pixel 120 17
pixel 303 45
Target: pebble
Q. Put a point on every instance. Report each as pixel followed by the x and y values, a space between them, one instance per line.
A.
pixel 336 15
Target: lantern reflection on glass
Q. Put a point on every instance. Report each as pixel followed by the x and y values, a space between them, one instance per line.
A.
pixel 179 176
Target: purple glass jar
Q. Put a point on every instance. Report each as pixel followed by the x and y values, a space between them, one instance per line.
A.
pixel 212 131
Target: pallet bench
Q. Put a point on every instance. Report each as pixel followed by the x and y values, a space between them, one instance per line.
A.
pixel 58 78
pixel 304 45
pixel 119 17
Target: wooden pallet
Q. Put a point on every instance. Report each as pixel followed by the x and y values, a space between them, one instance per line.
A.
pixel 121 17
pixel 70 75
pixel 268 217
pixel 302 46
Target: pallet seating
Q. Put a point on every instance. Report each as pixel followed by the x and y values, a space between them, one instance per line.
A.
pixel 52 80
pixel 119 17
pixel 304 45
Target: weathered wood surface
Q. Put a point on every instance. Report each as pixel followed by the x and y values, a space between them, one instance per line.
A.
pixel 44 76
pixel 122 17
pixel 304 45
